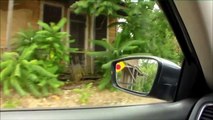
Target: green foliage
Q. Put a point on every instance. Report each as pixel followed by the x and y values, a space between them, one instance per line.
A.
pixel 50 42
pixel 146 23
pixel 39 56
pixel 136 20
pixel 97 7
pixel 142 22
pixel 112 51
pixel 26 76
pixel 160 38
pixel 84 93
pixel 144 83
pixel 24 39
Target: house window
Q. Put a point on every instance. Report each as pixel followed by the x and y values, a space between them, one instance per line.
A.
pixel 77 32
pixel 100 30
pixel 52 13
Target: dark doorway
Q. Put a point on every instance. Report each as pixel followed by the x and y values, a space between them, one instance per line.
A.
pixel 52 13
pixel 100 33
pixel 100 30
pixel 77 32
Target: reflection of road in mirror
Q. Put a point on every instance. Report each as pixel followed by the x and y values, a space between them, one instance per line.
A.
pixel 136 74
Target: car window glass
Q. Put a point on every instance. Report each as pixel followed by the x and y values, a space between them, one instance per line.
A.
pixel 58 53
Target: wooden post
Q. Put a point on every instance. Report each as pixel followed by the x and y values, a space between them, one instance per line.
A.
pixel 9 23
pixel 89 64
pixel 92 36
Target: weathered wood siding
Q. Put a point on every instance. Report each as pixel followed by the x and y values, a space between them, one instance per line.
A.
pixel 26 12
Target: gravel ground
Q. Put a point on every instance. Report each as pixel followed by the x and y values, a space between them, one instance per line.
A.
pixel 69 98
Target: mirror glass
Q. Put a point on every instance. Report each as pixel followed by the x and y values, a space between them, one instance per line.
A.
pixel 136 75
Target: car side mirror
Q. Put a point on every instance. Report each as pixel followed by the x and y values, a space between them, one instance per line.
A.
pixel 146 76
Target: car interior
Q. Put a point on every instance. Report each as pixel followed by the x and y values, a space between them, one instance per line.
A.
pixel 192 23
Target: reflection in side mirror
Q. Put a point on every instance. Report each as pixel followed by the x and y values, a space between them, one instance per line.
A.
pixel 146 76
pixel 137 75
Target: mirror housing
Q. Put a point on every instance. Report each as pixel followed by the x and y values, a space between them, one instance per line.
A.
pixel 164 83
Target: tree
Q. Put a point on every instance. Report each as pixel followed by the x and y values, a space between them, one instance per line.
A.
pixel 143 21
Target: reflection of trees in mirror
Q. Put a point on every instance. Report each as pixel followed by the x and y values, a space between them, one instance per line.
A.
pixel 149 68
pixel 138 75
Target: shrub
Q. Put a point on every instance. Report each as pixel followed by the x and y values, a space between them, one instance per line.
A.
pixel 39 55
pixel 26 76
pixel 50 41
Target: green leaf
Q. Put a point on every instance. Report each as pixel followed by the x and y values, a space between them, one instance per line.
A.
pixel 61 23
pixel 131 48
pixel 5 73
pixel 34 62
pixel 107 65
pixel 44 46
pixel 4 64
pixel 117 40
pixel 44 25
pixel 28 52
pixel 57 46
pixel 103 43
pixel 17 86
pixel 42 83
pixel 62 34
pixel 6 87
pixel 71 41
pixel 55 28
pixel 127 44
pixel 43 32
pixel 9 56
pixel 50 39
pixel 73 50
pixel 33 77
pixel 105 81
pixel 42 71
pixel 17 71
pixel 66 58
pixel 22 34
pixel 98 54
pixel 55 83
pixel 34 89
